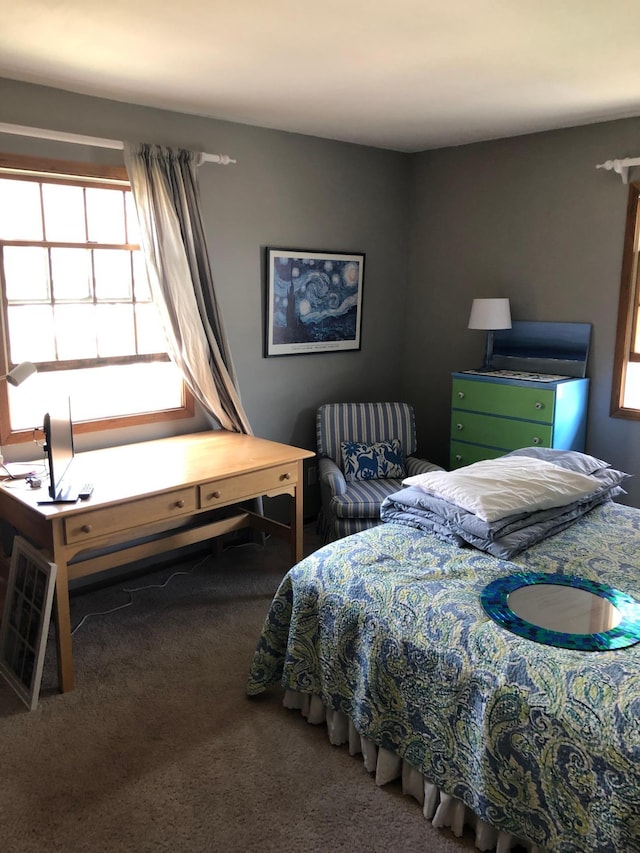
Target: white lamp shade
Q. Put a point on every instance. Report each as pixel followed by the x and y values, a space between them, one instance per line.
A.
pixel 20 372
pixel 490 314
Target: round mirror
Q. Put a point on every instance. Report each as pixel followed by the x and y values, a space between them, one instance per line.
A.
pixel 561 610
pixel 564 608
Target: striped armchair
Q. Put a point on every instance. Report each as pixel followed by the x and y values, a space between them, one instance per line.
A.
pixel 352 503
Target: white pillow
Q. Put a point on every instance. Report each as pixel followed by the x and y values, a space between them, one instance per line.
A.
pixel 495 488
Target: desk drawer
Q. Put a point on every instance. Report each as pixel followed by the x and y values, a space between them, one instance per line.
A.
pixel 110 519
pixel 221 492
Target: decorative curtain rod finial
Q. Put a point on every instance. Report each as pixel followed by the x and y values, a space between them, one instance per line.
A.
pixel 620 166
pixel 223 159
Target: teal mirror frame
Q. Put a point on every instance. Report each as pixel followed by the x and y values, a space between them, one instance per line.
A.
pixel 494 598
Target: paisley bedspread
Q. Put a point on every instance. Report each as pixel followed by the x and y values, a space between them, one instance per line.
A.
pixel 387 627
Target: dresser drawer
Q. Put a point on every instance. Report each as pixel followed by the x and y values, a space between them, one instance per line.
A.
pixel 467 454
pixel 534 404
pixel 221 492
pixel 122 516
pixel 499 432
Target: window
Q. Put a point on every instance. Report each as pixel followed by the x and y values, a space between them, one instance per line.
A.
pixel 76 301
pixel 625 395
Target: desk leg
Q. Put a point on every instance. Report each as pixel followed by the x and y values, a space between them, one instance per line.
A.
pixel 297 520
pixel 63 622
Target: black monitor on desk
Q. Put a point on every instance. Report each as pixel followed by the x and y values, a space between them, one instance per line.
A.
pixel 58 436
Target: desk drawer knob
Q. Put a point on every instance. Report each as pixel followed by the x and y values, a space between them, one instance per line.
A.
pixel 461 395
pixel 535 440
pixel 459 426
pixel 539 406
pixel 214 495
pixel 286 476
pixel 87 528
pixel 180 504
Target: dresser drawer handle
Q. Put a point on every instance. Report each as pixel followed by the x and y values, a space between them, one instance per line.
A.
pixel 87 528
pixel 461 395
pixel 458 457
pixel 286 476
pixel 180 504
pixel 214 495
pixel 539 406
pixel 535 440
pixel 459 426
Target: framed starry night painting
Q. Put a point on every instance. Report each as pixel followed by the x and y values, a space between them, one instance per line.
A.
pixel 314 301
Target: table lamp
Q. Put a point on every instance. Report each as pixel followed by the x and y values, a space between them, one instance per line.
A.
pixel 20 372
pixel 490 314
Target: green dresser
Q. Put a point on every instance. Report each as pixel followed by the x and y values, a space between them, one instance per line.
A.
pixel 491 416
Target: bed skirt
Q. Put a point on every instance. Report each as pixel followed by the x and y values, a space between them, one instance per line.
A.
pixel 441 809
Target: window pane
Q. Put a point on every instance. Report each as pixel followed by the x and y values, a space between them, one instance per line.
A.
pixel 105 216
pixel 64 213
pixel 26 271
pixel 151 337
pixel 115 330
pixel 631 398
pixel 127 390
pixel 76 329
pixel 112 270
pixel 71 274
pixel 20 213
pixel 133 232
pixel 27 409
pixel 97 392
pixel 143 293
pixel 31 333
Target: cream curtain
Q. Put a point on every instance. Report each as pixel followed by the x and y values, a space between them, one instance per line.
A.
pixel 165 191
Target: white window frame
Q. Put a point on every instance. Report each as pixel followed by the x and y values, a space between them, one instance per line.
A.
pixel 84 174
pixel 625 390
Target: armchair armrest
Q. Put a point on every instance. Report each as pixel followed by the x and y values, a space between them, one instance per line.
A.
pixel 331 477
pixel 415 466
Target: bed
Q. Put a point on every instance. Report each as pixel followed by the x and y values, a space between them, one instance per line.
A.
pixel 383 637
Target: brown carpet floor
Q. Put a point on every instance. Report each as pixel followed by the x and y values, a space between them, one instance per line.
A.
pixel 158 748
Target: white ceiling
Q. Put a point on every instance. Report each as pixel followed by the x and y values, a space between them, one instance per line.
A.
pixel 406 75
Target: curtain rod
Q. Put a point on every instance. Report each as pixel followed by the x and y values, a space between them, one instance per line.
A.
pixel 95 141
pixel 620 166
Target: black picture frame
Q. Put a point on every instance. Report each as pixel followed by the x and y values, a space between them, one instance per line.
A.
pixel 313 301
pixel 25 620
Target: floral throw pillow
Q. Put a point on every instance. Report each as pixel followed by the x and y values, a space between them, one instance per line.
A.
pixel 379 460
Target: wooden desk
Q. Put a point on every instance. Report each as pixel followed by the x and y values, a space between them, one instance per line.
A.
pixel 171 489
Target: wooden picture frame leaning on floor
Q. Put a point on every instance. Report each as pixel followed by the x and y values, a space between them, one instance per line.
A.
pixel 25 620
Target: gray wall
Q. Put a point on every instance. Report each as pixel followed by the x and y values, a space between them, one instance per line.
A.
pixel 286 190
pixel 530 218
